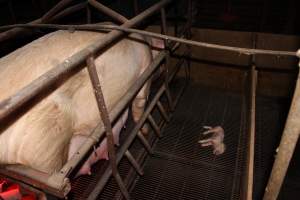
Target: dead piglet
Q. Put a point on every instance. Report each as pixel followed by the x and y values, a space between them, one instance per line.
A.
pixel 216 140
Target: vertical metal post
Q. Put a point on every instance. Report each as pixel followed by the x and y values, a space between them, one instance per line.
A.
pixel 107 124
pixel 88 14
pixel 164 31
pixel 286 147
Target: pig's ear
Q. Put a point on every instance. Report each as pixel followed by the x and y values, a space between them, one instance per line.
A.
pixel 157 44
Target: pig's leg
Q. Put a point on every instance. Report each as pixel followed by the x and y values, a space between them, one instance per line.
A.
pixel 138 105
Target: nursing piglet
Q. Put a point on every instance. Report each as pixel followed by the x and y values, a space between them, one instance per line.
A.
pixel 100 152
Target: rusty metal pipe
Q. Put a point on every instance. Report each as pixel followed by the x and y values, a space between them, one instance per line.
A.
pixel 251 105
pixel 108 11
pixel 286 147
pixel 107 123
pixel 90 27
pixel 35 87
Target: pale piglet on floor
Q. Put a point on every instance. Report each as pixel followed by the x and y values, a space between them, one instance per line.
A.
pixel 216 140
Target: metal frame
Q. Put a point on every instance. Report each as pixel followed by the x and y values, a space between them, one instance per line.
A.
pixel 58 183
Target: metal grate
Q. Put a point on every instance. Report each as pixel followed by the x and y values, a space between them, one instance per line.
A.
pixel 180 168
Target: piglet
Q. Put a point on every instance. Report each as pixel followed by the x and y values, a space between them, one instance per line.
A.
pixel 100 152
pixel 216 140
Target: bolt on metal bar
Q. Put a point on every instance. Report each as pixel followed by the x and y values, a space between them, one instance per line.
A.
pixel 107 123
pixel 10 104
pixel 286 147
pixel 154 125
pixel 108 11
pixel 163 111
pixel 134 163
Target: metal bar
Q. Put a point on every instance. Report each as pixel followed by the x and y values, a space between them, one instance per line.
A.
pixel 145 143
pixel 134 163
pixel 163 111
pixel 154 125
pixel 251 104
pixel 286 147
pixel 107 123
pixel 246 51
pixel 35 87
pixel 108 11
pixel 164 30
pixel 59 6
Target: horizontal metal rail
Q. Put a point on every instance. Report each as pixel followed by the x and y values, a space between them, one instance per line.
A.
pixel 95 27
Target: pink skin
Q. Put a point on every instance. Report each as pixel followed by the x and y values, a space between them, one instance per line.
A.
pixel 101 151
pixel 216 140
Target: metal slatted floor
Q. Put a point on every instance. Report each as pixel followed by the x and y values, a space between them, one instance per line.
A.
pixel 180 168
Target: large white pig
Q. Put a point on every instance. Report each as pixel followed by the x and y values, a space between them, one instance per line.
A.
pixel 41 137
